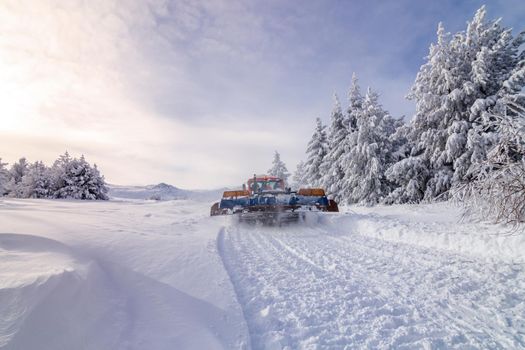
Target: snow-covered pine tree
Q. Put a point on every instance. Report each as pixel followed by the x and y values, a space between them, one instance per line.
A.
pixel 76 179
pixel 332 168
pixel 299 176
pixel 498 190
pixel 353 113
pixel 355 100
pixel 16 173
pixel 37 182
pixel 95 186
pixel 497 73
pixel 409 174
pixel 59 175
pixel 404 173
pixel 365 163
pixel 4 178
pixel 458 84
pixel 278 168
pixel 315 153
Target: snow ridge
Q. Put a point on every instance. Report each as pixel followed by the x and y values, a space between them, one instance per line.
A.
pixel 222 251
pixel 433 226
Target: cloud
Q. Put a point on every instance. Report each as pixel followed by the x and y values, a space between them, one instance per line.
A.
pixel 119 83
pixel 64 84
pixel 199 93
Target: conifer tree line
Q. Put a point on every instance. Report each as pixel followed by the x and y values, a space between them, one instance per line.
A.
pixel 466 139
pixel 71 178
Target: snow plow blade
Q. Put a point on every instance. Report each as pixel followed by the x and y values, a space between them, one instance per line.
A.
pixel 269 202
pixel 271 217
pixel 276 216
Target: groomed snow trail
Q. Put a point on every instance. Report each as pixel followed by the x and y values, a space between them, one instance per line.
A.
pixel 305 287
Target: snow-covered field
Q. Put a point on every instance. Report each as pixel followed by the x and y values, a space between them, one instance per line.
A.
pixel 164 275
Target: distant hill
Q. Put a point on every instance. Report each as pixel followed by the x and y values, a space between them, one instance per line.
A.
pixel 161 192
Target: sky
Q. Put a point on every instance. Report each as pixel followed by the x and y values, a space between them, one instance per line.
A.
pixel 200 93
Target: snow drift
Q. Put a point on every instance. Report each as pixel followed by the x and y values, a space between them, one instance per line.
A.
pixel 94 304
pixel 113 275
pixel 438 225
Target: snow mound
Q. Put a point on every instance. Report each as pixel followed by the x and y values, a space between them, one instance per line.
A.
pixel 54 297
pixel 437 225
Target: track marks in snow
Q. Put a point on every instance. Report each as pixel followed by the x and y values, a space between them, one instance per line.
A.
pixel 304 287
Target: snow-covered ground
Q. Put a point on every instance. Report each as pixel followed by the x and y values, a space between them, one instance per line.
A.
pixel 114 275
pixel 164 275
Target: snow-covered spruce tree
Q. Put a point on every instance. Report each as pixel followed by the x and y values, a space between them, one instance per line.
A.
pixel 37 182
pixel 4 178
pixel 59 175
pixel 366 161
pixel 16 173
pixel 461 80
pixel 278 168
pixel 315 153
pixel 355 102
pixel 76 179
pixel 96 187
pixel 498 190
pixel 354 111
pixel 332 167
pixel 404 173
pixel 409 174
pixel 299 176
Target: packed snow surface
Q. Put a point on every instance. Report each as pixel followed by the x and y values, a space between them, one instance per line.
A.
pixel 164 275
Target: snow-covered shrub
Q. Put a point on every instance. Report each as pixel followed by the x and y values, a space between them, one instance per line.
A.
pixel 498 195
